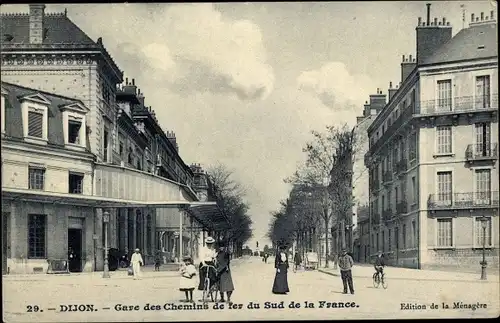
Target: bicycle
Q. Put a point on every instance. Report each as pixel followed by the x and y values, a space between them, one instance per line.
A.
pixel 207 288
pixel 379 279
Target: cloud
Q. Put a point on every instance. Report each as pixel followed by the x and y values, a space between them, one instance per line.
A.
pixel 336 87
pixel 196 50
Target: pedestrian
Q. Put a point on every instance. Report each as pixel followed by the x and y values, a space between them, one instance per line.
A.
pixel 157 260
pixel 137 262
pixel 208 254
pixel 297 260
pixel 187 282
pixel 266 255
pixel 345 265
pixel 225 280
pixel 280 285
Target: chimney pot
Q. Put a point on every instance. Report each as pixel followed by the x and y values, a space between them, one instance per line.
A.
pixel 447 23
pixel 444 21
pixel 482 16
pixel 435 21
pixel 428 14
pixel 492 15
pixel 133 81
pixel 410 58
pixel 477 18
pixel 403 58
pixel 419 21
pixel 390 85
pixel 439 23
pixel 472 17
pixel 126 81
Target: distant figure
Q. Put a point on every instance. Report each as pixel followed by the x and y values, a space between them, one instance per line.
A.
pixel 379 263
pixel 280 285
pixel 158 259
pixel 266 255
pixel 297 260
pixel 345 264
pixel 187 283
pixel 137 262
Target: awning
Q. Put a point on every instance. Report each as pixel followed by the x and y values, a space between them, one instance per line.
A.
pixel 91 201
pixel 210 216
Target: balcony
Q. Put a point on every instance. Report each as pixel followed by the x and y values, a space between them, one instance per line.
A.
pixel 401 166
pixel 387 214
pixel 387 177
pixel 462 104
pixel 402 207
pixel 477 152
pixel 375 218
pixel 463 200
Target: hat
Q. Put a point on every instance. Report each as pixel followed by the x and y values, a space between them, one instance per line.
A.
pixel 344 250
pixel 210 240
pixel 186 258
pixel 137 249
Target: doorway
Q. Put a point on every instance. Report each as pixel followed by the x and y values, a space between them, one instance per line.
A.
pixel 75 250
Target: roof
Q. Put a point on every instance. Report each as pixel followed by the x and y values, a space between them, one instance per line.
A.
pixel 60 29
pixel 210 216
pixel 13 113
pixel 466 45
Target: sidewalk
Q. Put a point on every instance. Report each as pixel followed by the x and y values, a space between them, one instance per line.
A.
pixel 397 273
pixel 148 272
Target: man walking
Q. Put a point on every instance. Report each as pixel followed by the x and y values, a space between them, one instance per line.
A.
pixel 345 265
pixel 137 262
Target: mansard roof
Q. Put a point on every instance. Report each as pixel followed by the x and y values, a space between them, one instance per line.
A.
pixel 16 94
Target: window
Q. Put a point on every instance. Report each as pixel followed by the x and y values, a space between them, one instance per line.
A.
pixel 444 95
pixel 75 183
pixel 389 201
pixel 483 187
pixel 413 190
pixel 412 153
pixel 378 242
pixel 36 235
pixel 36 178
pixel 121 149
pixel 396 195
pixel 481 234
pixel 395 153
pixel 443 137
pixel 413 100
pixel 482 138
pixel 130 155
pixel 404 236
pixel 383 241
pixel 396 237
pixel 414 233
pixel 74 131
pixel 483 92
pixel 390 240
pixel 35 124
pixel 105 151
pixel 444 188
pixel 383 203
pixel 444 233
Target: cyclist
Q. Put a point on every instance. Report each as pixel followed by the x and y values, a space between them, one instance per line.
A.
pixel 379 264
pixel 208 254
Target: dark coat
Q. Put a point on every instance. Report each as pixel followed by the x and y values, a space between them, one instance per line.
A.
pixel 280 285
pixel 224 271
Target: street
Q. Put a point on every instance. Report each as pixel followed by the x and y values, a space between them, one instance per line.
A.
pixel 125 298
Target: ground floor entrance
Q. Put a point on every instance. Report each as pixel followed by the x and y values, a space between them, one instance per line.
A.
pixel 75 250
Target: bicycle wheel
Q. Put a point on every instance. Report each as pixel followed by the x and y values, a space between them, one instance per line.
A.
pixel 376 280
pixel 384 281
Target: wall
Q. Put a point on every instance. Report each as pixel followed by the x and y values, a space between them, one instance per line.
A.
pixel 361 174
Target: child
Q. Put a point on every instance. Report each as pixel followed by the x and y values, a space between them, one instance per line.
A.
pixel 187 283
pixel 157 260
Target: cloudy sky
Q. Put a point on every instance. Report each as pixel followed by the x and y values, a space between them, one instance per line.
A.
pixel 243 84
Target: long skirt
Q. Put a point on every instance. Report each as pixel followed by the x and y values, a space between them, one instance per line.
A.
pixel 211 274
pixel 280 285
pixel 225 282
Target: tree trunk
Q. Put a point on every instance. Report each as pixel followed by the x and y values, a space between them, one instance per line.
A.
pixel 342 234
pixel 326 240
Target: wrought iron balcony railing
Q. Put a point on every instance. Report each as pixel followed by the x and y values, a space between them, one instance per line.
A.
pixel 459 104
pixel 481 152
pixel 387 177
pixel 401 166
pixel 463 200
pixel 387 214
pixel 402 207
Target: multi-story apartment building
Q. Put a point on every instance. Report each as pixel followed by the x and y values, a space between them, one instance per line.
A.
pixel 433 155
pixel 135 176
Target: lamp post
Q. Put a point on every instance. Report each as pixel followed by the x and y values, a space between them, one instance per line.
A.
pixel 484 224
pixel 105 220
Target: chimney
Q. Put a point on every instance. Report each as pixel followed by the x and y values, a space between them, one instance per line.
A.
pixel 391 91
pixel 172 139
pixel 141 98
pixel 36 23
pixel 407 66
pixel 130 88
pixel 377 101
pixel 431 36
pixel 366 109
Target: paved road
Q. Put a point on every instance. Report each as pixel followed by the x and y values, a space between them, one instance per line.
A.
pixel 253 281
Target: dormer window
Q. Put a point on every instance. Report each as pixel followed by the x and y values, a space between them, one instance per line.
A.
pixel 35 109
pixel 74 126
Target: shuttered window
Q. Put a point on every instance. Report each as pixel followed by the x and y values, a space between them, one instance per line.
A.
pixel 35 124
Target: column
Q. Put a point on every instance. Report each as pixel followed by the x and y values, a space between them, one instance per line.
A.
pixel 181 233
pixel 145 231
pixel 124 220
pixel 152 218
pixel 113 230
pixel 99 255
pixel 134 228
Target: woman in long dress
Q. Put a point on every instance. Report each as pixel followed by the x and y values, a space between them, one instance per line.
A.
pixel 208 254
pixel 280 285
pixel 224 273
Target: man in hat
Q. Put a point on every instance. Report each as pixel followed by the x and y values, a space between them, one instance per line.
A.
pixel 345 265
pixel 379 263
pixel 136 262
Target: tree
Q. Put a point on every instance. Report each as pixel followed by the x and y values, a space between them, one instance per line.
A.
pixel 229 197
pixel 282 226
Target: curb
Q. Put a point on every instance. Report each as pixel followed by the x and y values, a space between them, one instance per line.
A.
pixel 494 280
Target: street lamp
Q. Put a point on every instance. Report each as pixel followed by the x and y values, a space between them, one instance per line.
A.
pixel 484 224
pixel 105 220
